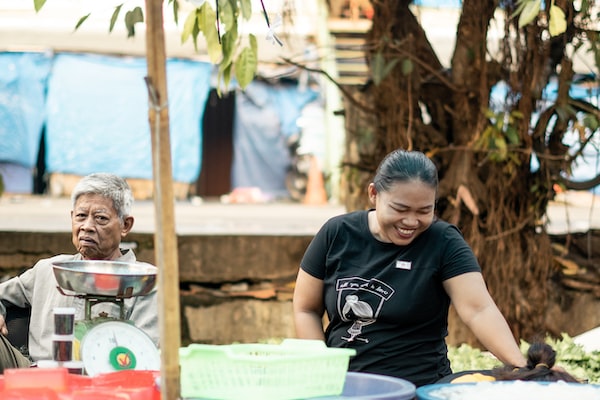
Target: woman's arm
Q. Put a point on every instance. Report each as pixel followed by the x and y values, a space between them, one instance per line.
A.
pixel 478 311
pixel 308 307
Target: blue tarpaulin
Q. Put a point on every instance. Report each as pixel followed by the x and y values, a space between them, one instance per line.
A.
pixel 97 116
pixel 22 105
pixel 439 3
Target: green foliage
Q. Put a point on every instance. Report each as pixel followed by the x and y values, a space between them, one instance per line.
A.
pixel 81 21
pixel 528 10
pixel 224 46
pixel 235 57
pixel 407 66
pixel 591 122
pixel 557 23
pixel 500 134
pixel 573 358
pixel 569 355
pixel 202 20
pixel 467 358
pixel 113 18
pixel 245 65
pixel 38 4
pixel 380 69
pixel 132 17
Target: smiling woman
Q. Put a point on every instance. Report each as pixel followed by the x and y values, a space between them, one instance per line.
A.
pixel 386 277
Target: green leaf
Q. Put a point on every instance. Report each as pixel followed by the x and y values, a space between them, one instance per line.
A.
pixel 484 139
pixel 591 122
pixel 516 114
pixel 81 21
pixel 206 23
pixel 190 26
pixel 530 11
pixel 246 8
pixel 254 47
pixel 500 123
pixel 131 18
pixel 489 114
pixel 227 13
pixel 246 64
pixel 38 4
pixel 253 43
pixel 228 42
pixel 558 21
pixel 512 135
pixel 522 4
pixel 224 76
pixel 407 66
pixel 377 65
pixel 175 10
pixel 113 18
pixel 501 146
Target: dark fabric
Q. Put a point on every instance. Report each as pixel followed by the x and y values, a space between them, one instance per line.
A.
pixel 387 301
pixel 10 357
pixel 17 322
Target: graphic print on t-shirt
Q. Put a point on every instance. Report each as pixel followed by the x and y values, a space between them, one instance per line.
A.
pixel 360 300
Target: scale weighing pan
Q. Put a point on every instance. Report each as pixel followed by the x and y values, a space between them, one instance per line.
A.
pixel 106 278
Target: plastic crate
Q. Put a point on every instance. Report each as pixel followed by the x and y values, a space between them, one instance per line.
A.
pixel 294 369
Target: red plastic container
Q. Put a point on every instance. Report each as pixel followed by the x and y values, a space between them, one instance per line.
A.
pixel 58 384
pixel 139 385
pixel 54 379
pixel 30 394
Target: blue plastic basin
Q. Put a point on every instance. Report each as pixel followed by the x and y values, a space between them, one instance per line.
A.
pixel 427 392
pixel 364 386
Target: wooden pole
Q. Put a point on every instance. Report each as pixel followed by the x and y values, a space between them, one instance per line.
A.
pixel 165 238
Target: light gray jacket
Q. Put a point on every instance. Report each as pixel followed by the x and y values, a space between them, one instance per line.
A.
pixel 37 288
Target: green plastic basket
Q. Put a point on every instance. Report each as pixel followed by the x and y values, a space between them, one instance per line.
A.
pixel 294 369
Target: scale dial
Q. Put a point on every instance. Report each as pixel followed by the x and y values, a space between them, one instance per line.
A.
pixel 117 345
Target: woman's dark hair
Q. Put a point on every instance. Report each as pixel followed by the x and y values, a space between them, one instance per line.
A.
pixel 540 360
pixel 404 166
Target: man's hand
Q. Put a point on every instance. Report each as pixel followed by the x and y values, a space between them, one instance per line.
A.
pixel 3 328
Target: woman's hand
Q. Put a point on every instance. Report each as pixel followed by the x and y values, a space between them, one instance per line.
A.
pixel 477 310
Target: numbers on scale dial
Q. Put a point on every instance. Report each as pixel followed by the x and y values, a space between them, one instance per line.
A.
pixel 117 345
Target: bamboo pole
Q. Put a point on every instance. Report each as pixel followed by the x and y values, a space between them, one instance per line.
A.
pixel 165 238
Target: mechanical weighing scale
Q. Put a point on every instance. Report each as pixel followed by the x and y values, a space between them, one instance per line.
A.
pixel 106 344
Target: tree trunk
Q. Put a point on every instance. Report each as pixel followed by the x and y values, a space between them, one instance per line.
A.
pixel 420 106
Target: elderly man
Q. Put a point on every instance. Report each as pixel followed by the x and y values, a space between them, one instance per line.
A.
pixel 100 219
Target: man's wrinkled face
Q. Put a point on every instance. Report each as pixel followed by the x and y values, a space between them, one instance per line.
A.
pixel 97 228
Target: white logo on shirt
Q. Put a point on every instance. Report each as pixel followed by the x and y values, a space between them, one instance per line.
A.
pixel 407 265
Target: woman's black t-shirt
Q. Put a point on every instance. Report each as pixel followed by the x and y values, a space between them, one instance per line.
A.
pixel 387 301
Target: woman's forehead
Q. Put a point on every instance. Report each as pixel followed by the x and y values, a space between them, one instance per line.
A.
pixel 411 192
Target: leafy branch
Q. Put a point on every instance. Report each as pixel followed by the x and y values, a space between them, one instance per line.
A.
pixel 236 56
